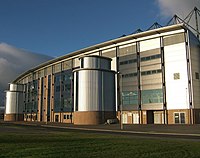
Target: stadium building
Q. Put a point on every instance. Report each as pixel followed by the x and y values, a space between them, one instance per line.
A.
pixel 149 77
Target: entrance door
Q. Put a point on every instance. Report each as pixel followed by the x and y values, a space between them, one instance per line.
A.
pixel 150 117
pixel 56 118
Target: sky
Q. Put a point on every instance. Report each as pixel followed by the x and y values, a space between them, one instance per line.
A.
pixel 57 27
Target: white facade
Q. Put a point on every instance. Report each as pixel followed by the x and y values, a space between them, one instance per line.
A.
pixel 176 77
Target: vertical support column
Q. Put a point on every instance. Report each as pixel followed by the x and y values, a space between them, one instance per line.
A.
pixel 100 52
pixel 117 79
pixel 189 72
pixel 25 98
pixel 75 91
pixel 72 91
pixel 39 100
pixel 32 98
pixel 139 84
pixel 61 93
pixel 163 80
pixel 52 98
pixel 196 20
pixel 45 100
pixel 42 99
pixel 52 92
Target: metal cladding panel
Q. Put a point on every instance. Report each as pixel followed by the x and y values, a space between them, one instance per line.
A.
pixel 96 91
pixel 195 68
pixel 11 102
pixel 14 102
pixel 89 84
pixel 89 62
pixel 94 62
pixel 20 102
pixel 16 87
pixel 105 64
pixel 109 91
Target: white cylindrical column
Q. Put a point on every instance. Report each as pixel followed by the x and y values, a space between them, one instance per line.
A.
pixel 94 84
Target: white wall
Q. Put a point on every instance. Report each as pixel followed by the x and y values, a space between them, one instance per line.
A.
pixel 176 90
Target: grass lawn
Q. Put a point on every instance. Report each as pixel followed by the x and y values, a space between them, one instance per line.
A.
pixel 26 141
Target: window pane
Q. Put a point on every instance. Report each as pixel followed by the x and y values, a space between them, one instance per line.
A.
pixel 130 97
pixel 182 115
pixel 152 96
pixel 176 116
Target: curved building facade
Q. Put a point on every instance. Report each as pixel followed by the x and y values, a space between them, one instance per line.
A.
pixel 147 77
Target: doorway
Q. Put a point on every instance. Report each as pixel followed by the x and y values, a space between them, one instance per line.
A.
pixel 56 118
pixel 150 117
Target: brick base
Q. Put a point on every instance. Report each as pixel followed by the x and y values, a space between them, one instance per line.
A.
pixel 92 117
pixel 13 117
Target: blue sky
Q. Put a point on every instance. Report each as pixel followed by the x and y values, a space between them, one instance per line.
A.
pixel 57 27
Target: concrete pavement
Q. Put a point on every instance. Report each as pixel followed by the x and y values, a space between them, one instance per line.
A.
pixel 170 131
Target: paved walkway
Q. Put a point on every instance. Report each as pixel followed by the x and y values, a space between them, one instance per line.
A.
pixel 175 131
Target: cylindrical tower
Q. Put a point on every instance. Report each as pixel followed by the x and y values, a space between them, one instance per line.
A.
pixel 14 103
pixel 94 91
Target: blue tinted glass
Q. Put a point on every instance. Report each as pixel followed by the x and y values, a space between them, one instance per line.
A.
pixel 130 97
pixel 152 96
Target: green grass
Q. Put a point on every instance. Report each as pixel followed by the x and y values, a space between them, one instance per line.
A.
pixel 19 141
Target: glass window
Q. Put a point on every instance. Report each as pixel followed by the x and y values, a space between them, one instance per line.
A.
pixel 159 71
pixel 143 59
pixel 63 91
pixel 143 73
pixel 152 96
pixel 152 57
pixel 130 97
pixel 197 75
pixel 182 117
pixel 157 56
pixel 148 72
pixel 154 72
pixel 179 117
pixel 176 117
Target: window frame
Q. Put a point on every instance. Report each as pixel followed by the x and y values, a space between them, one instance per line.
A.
pixel 181 120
